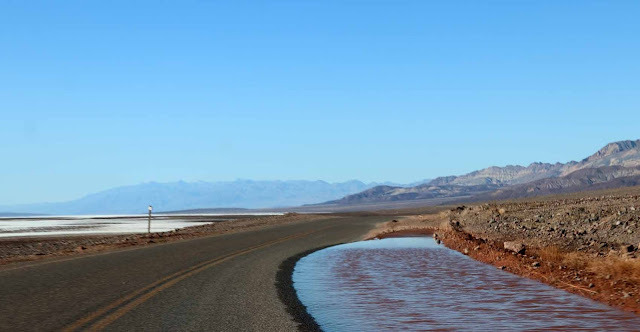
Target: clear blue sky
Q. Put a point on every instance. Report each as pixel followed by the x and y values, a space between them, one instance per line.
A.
pixel 96 94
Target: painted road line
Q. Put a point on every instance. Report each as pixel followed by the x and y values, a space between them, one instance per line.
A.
pixel 102 317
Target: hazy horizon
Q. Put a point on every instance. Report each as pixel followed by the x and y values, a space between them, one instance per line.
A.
pixel 126 185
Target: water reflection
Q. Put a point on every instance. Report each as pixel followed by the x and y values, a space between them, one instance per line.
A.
pixel 413 284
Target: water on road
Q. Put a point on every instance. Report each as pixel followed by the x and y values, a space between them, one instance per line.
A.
pixel 413 284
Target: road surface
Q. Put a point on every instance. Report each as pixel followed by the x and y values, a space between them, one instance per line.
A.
pixel 217 283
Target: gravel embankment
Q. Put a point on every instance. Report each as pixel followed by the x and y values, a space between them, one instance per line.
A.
pixel 601 225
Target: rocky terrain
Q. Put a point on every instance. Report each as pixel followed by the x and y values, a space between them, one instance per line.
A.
pixel 613 166
pixel 598 224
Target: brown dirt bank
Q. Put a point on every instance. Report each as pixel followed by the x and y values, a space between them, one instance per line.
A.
pixel 36 248
pixel 586 244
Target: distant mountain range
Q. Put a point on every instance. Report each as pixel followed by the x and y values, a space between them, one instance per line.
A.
pixel 196 195
pixel 615 165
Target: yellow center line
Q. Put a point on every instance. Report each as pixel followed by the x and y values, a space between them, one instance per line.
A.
pixel 147 292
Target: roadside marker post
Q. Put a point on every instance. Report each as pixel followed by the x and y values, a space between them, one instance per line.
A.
pixel 149 223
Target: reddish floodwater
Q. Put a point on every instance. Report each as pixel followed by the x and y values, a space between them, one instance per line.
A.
pixel 413 284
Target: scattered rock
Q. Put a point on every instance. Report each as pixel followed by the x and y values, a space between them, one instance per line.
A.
pixel 515 246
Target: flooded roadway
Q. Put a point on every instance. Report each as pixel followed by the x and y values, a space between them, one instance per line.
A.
pixel 413 284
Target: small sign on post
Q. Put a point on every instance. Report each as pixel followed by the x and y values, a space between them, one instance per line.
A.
pixel 149 224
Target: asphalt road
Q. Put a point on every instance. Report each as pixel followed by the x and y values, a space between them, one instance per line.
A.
pixel 218 283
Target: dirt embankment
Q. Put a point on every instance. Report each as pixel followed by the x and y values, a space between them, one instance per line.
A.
pixel 417 224
pixel 586 245
pixel 27 249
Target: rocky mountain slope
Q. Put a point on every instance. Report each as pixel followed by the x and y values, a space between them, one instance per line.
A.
pixel 519 181
pixel 623 153
pixel 425 191
pixel 607 177
pixel 502 176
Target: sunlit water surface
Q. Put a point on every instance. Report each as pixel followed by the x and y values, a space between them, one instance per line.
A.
pixel 413 284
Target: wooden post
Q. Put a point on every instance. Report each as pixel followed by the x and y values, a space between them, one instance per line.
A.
pixel 149 223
